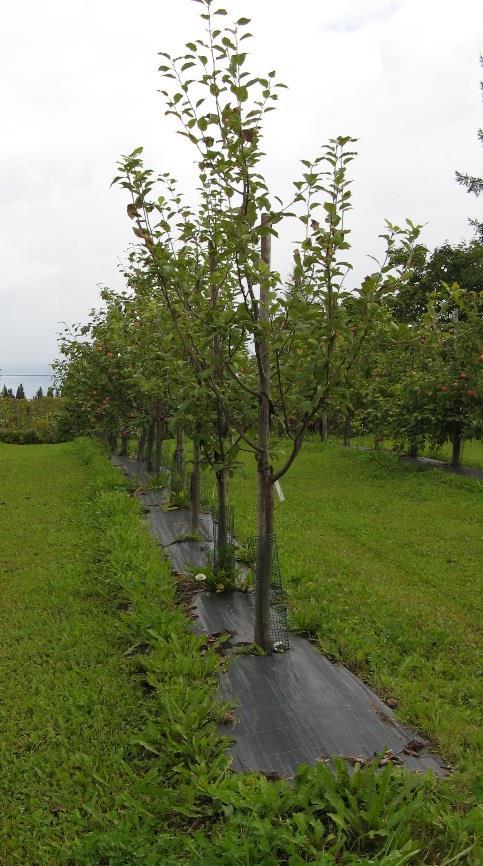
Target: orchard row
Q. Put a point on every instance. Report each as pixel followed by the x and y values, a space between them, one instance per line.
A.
pixel 209 340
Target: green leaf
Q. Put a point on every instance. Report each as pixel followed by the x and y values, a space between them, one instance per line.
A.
pixel 147 746
pixel 240 92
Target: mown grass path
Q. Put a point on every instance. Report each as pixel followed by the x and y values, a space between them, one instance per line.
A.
pixel 67 706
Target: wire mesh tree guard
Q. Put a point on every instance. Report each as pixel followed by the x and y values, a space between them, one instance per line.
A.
pixel 278 609
pixel 176 481
pixel 224 561
pixel 163 457
pixel 206 491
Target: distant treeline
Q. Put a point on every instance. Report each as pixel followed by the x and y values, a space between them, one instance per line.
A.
pixel 24 421
pixel 20 393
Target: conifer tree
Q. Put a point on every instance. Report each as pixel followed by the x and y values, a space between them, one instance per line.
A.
pixel 20 395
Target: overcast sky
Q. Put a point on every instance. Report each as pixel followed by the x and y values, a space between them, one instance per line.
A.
pixel 78 87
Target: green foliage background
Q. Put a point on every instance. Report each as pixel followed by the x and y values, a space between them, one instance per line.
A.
pixel 34 421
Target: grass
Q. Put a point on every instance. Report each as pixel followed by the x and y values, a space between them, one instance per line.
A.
pixel 109 749
pixel 67 708
pixel 471 455
pixel 87 617
pixel 381 562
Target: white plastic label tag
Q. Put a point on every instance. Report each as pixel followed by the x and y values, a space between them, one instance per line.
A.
pixel 279 491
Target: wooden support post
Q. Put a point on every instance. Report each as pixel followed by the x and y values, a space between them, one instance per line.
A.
pixel 262 634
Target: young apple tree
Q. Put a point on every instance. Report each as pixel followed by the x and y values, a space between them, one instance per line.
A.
pixel 305 337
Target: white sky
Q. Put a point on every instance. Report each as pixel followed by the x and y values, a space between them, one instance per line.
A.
pixel 78 87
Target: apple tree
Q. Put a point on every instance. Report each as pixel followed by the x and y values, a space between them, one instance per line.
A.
pixel 220 282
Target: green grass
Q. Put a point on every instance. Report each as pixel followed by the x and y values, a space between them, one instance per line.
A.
pixel 472 452
pixel 67 707
pixel 381 562
pixel 108 745
pixel 82 586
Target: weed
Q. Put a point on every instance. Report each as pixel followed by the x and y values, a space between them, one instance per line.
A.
pixel 188 536
pixel 216 580
pixel 246 553
pixel 245 581
pixel 180 498
pixel 251 649
pixel 159 481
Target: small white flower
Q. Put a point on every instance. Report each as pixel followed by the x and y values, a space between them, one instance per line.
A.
pixel 200 577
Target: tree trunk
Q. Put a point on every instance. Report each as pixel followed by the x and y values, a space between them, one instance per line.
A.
pixel 457 444
pixel 141 445
pixel 149 446
pixel 221 511
pixel 179 461
pixel 158 431
pixel 347 431
pixel 222 431
pixel 112 439
pixel 378 441
pixel 262 635
pixel 124 444
pixel 195 485
pixel 413 448
pixel 324 432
